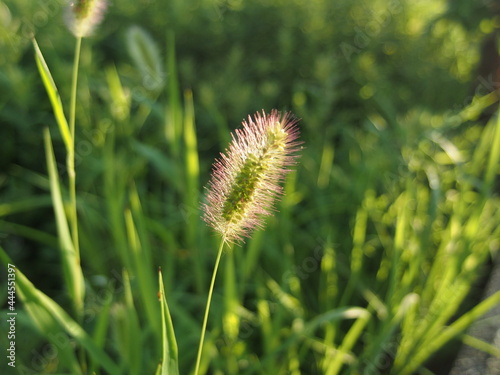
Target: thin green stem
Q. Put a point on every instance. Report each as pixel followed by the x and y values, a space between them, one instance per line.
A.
pixel 207 308
pixel 74 82
pixel 71 153
pixel 70 162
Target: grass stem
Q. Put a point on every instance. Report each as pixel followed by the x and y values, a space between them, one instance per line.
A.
pixel 71 153
pixel 207 308
pixel 72 181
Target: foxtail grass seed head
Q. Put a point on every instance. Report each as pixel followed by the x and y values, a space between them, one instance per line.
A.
pixel 246 179
pixel 83 16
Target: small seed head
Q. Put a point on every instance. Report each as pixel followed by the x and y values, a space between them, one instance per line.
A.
pixel 83 16
pixel 246 179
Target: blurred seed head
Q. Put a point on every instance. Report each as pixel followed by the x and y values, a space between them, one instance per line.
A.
pixel 146 55
pixel 246 179
pixel 83 16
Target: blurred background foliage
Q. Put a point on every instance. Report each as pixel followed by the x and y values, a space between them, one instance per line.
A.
pixel 380 87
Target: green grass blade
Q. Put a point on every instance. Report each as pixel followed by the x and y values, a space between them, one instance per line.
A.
pixel 343 313
pixel 230 319
pixel 348 343
pixel 473 342
pixel 173 116
pixel 73 274
pixel 477 106
pixel 455 329
pixel 120 101
pixel 31 295
pixel 101 329
pixel 45 323
pixel 28 232
pixel 385 337
pixel 170 362
pixel 192 163
pixel 191 191
pixel 127 331
pixel 141 260
pixel 54 97
pixel 192 167
pixel 493 161
pixel 22 205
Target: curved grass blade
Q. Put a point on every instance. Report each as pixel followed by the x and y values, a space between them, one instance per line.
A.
pixel 54 97
pixel 343 313
pixel 494 158
pixel 73 274
pixel 455 329
pixel 170 362
pixel 29 294
pixel 348 343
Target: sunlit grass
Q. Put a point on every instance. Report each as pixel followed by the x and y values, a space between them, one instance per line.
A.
pixel 367 267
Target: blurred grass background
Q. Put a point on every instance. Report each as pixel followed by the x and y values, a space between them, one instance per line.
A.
pixel 392 211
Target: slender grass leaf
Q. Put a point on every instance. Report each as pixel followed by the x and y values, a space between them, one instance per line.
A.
pixel 230 319
pixel 23 205
pixel 313 324
pixel 51 330
pixel 31 295
pixel 170 362
pixel 191 157
pixel 142 264
pixel 434 343
pixel 493 161
pixel 28 232
pixel 191 201
pixel 192 168
pixel 120 99
pixel 132 330
pixel 101 329
pixel 73 274
pixel 173 115
pixel 54 97
pixel 491 349
pixel 386 335
pixel 288 301
pixel 477 106
pixel 348 343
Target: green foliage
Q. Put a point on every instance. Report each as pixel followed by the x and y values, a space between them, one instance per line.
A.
pixel 169 364
pixel 375 260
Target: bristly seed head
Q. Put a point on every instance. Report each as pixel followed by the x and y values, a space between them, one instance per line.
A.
pixel 83 16
pixel 246 179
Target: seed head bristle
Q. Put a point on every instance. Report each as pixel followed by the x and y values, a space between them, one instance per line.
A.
pixel 83 16
pixel 246 179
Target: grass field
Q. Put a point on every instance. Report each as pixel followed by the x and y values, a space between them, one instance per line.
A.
pixel 376 257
